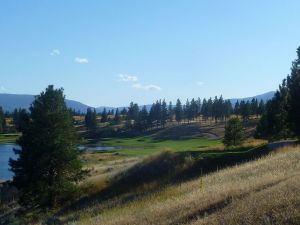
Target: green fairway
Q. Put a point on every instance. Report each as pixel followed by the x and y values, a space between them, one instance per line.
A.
pixel 9 138
pixel 147 145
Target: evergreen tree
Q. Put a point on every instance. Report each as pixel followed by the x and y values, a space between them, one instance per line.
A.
pixel 158 112
pixel 198 102
pixel 124 112
pixel 227 109
pixel 178 111
pixel 141 123
pixel 187 111
pixel 209 108
pixel 170 112
pixel 220 108
pixel 273 124
pixel 193 111
pixel 48 166
pixel 151 116
pixel 216 108
pixel 21 119
pixel 261 108
pixel 2 121
pixel 133 112
pixel 237 108
pixel 117 117
pixel 234 133
pixel 293 83
pixel 164 113
pixel 132 116
pixel 204 109
pixel 281 117
pixel 104 116
pixel 90 119
pixel 254 106
pixel 245 109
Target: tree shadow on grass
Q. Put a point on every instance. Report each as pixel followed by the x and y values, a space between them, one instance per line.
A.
pixel 159 171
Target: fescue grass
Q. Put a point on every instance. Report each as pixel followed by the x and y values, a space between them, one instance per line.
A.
pixel 264 191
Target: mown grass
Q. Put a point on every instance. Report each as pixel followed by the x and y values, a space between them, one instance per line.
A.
pixel 142 146
pixel 9 138
pixel 264 191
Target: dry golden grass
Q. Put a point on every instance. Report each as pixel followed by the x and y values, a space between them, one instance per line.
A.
pixel 265 191
pixel 103 166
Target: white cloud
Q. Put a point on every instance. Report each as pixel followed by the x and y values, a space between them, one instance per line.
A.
pixel 133 79
pixel 150 87
pixel 55 52
pixel 200 83
pixel 81 60
pixel 127 78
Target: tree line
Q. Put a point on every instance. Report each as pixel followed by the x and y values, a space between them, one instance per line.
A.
pixel 160 113
pixel 2 121
pixel 281 118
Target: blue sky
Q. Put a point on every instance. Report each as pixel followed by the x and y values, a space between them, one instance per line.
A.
pixel 113 52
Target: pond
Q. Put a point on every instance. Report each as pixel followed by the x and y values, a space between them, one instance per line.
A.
pixel 6 152
pixel 98 148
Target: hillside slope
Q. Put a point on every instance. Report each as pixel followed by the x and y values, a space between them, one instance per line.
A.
pixel 265 191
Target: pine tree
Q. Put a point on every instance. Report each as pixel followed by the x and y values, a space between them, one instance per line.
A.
pixel 273 125
pixel 117 117
pixel 142 123
pixel 193 109
pixel 2 121
pixel 151 116
pixel 91 119
pixel 227 109
pixel 198 102
pixel 209 108
pixel 204 110
pixel 158 112
pixel 124 112
pixel 245 109
pixel 133 112
pixel 234 133
pixel 170 112
pixel 48 166
pixel 132 115
pixel 254 106
pixel 104 116
pixel 178 111
pixel 237 108
pixel 293 83
pixel 21 119
pixel 261 108
pixel 215 108
pixel 187 111
pixel 164 113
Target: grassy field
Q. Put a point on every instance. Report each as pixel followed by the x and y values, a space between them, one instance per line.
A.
pixel 142 146
pixel 265 191
pixel 9 138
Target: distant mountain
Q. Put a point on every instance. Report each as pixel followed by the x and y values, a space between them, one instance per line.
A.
pixel 265 97
pixel 9 102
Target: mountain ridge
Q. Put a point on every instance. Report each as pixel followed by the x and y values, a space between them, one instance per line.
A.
pixel 9 102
